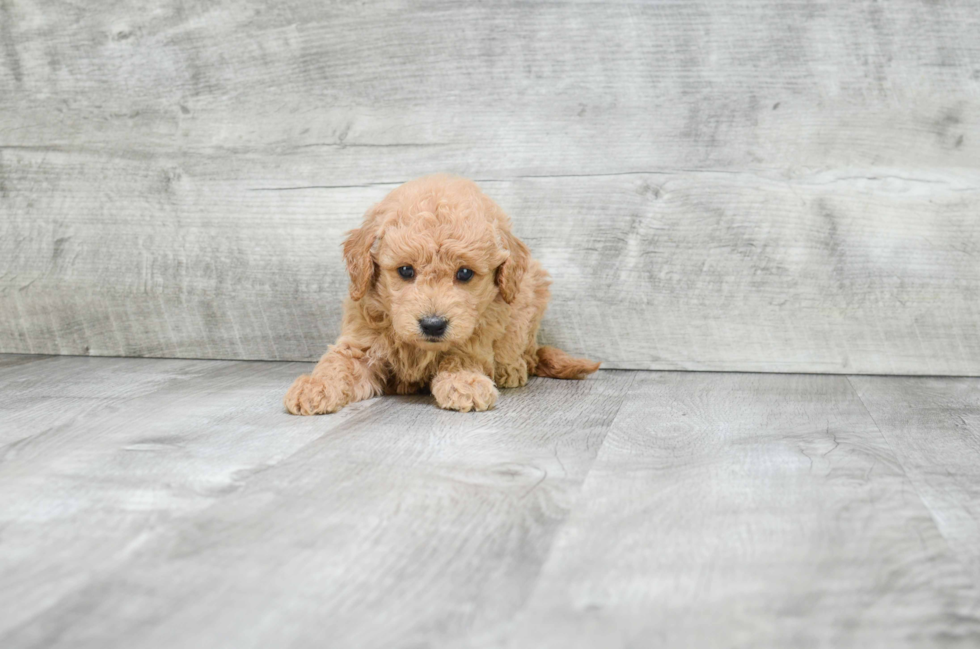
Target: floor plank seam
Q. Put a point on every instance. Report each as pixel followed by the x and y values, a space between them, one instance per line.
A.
pixel 932 514
pixel 554 538
pixel 612 422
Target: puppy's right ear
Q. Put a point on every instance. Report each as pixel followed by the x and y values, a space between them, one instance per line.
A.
pixel 357 255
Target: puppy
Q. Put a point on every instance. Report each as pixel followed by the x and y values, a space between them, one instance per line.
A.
pixel 442 296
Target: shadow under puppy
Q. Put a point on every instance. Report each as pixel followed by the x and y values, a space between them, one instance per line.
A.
pixel 442 295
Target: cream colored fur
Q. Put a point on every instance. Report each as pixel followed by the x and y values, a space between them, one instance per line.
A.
pixel 437 225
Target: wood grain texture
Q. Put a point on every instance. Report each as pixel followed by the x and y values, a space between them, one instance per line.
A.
pixel 934 426
pixel 692 271
pixel 97 456
pixel 746 511
pixel 171 503
pixel 160 503
pixel 728 186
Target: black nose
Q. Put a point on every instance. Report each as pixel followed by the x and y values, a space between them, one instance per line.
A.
pixel 433 326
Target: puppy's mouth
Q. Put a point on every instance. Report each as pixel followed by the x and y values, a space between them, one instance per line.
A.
pixel 433 343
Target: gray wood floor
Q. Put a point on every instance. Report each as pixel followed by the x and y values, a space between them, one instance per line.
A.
pixel 172 503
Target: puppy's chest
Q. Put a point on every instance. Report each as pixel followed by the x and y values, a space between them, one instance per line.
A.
pixel 413 367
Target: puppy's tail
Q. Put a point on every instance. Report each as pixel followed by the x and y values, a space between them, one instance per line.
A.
pixel 556 364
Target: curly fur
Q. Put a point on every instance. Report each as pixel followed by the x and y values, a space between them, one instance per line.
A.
pixel 436 224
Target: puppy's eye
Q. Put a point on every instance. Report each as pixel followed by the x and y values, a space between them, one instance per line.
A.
pixel 407 272
pixel 464 274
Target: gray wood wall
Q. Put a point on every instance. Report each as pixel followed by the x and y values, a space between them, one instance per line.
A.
pixel 779 186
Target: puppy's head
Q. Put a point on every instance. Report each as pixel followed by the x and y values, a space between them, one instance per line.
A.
pixel 434 254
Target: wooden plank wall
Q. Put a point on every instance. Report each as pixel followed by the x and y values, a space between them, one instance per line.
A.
pixel 773 186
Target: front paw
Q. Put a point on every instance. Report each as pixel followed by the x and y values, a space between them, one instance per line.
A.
pixel 511 376
pixel 312 395
pixel 464 391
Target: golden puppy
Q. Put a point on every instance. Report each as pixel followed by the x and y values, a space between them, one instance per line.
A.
pixel 442 295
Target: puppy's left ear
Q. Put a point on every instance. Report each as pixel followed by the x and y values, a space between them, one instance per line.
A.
pixel 511 272
pixel 357 255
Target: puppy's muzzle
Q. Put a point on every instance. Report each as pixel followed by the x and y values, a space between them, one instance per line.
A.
pixel 433 326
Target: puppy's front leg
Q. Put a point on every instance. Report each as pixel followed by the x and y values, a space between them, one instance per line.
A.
pixel 463 386
pixel 341 377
